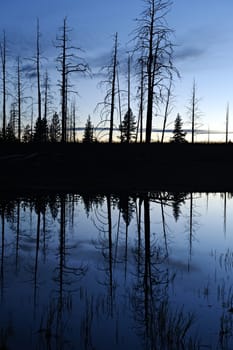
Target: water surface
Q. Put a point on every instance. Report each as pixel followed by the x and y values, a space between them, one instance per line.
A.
pixel 140 271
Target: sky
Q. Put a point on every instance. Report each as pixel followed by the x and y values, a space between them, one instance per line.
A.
pixel 203 39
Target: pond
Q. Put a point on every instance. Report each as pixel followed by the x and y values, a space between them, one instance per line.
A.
pixel 116 271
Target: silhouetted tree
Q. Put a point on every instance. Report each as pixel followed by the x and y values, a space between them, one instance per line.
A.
pixel 177 200
pixel 88 136
pixel 178 134
pixel 47 97
pixel 27 135
pixel 73 121
pixel 41 131
pixel 127 207
pixel 68 62
pixel 193 111
pixel 10 135
pixel 12 122
pixel 128 127
pixel 109 103
pixel 227 123
pixel 19 97
pixel 37 59
pixel 141 99
pixel 156 53
pixel 4 91
pixel 55 129
pixel 167 109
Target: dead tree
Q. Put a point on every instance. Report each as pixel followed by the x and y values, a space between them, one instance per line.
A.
pixel 167 109
pixel 38 55
pixel 109 104
pixel 194 111
pixel 19 97
pixel 68 63
pixel 4 93
pixel 227 123
pixel 141 103
pixel 153 43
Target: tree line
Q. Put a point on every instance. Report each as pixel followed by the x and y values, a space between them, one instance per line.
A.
pixel 151 59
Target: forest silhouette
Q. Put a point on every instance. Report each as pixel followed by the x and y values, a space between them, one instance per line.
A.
pixel 119 151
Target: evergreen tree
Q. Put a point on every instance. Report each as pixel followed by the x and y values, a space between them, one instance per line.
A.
pixel 88 136
pixel 10 135
pixel 128 127
pixel 55 129
pixel 10 129
pixel 178 134
pixel 41 131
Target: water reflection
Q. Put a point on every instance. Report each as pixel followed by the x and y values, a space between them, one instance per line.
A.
pixel 143 271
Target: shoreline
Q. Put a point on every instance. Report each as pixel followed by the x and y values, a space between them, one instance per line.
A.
pixel 116 167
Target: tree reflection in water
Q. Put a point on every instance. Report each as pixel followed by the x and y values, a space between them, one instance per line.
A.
pixel 98 271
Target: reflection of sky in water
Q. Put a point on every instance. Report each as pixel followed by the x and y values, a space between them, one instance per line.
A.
pixel 73 296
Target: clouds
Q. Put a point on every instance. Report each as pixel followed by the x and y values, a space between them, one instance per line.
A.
pixel 189 53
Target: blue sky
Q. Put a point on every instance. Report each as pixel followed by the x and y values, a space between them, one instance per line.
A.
pixel 203 34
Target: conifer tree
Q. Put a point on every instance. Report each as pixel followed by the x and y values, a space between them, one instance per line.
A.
pixel 88 136
pixel 128 127
pixel 178 134
pixel 41 131
pixel 55 129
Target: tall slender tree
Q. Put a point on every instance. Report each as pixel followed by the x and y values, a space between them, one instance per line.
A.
pixel 227 123
pixel 112 84
pixel 3 62
pixel 155 48
pixel 68 62
pixel 38 59
pixel 141 99
pixel 194 111
pixel 167 110
pixel 19 97
pixel 114 72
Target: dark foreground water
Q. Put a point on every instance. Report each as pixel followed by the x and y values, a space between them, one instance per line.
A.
pixel 131 271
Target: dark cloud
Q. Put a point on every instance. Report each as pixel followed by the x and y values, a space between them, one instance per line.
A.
pixel 97 61
pixel 29 70
pixel 189 52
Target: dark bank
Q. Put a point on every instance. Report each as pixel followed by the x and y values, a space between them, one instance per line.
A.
pixel 99 166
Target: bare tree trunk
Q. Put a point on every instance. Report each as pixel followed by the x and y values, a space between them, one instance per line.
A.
pixel 114 74
pixel 73 120
pixel 38 68
pixel 150 89
pixel 193 111
pixel 166 110
pixel 46 91
pixel 63 86
pixel 156 52
pixel 227 122
pixel 129 109
pixel 17 236
pixel 19 97
pixel 69 63
pixel 141 103
pixel 191 224
pixel 3 58
pixel 119 101
pixel 110 257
